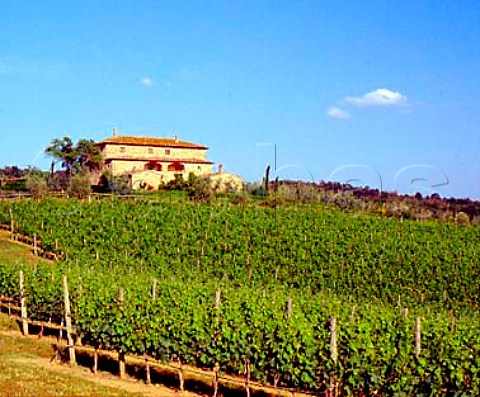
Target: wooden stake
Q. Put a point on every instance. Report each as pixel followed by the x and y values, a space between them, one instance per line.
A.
pixel 333 340
pixel 289 307
pixel 121 356
pixel 120 296
pixel 154 290
pixel 216 369
pixel 95 361
pixel 147 370
pixel 333 388
pixel 23 305
pixel 35 249
pixel 418 337
pixel 180 376
pixel 121 365
pixel 452 321
pixel 60 331
pixel 12 224
pixel 68 322
pixel 218 294
pixel 247 378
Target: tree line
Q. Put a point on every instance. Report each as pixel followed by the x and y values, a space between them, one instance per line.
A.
pixel 77 163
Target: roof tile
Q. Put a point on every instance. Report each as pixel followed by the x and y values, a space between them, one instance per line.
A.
pixel 149 141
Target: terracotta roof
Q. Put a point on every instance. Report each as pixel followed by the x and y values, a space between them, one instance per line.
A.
pixel 148 141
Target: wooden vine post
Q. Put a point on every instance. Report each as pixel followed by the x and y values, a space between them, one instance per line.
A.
pixel 418 337
pixel 333 340
pixel 181 376
pixel 23 305
pixel 95 361
pixel 154 290
pixel 352 313
pixel 35 246
pixel 147 369
pixel 333 354
pixel 218 294
pixel 289 307
pixel 247 378
pixel 452 321
pixel 121 365
pixel 12 225
pixel 68 322
pixel 60 331
pixel 121 355
pixel 216 370
pixel 148 378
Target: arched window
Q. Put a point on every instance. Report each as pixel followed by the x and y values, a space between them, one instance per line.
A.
pixel 152 166
pixel 176 166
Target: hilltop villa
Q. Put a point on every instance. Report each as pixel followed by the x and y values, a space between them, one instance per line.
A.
pixel 151 162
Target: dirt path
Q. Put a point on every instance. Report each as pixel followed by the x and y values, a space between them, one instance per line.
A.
pixel 101 379
pixel 32 361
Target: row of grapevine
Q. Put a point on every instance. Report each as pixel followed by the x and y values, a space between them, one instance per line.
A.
pixel 364 256
pixel 376 346
pixel 361 270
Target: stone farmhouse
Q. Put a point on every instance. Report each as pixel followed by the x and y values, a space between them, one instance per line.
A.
pixel 150 162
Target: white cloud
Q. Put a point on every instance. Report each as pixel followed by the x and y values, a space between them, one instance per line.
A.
pixel 146 81
pixel 338 113
pixel 381 97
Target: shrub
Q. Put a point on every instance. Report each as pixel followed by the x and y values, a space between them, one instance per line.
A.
pixel 79 185
pixel 200 190
pixel 462 218
pixel 37 185
pixel 119 184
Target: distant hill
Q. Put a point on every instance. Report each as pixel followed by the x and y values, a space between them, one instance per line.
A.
pixel 348 197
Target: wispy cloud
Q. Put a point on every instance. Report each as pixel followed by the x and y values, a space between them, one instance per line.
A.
pixel 381 97
pixel 338 113
pixel 146 82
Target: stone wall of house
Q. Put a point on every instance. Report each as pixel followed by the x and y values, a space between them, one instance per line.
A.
pixel 119 167
pixel 148 180
pixel 133 160
pixel 126 151
pixel 197 169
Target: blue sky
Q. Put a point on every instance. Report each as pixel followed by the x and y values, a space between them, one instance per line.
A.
pixel 386 93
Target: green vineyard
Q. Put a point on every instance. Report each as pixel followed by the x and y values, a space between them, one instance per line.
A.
pixel 238 284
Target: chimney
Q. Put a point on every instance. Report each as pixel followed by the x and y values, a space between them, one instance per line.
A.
pixel 177 139
pixel 115 133
pixel 220 168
